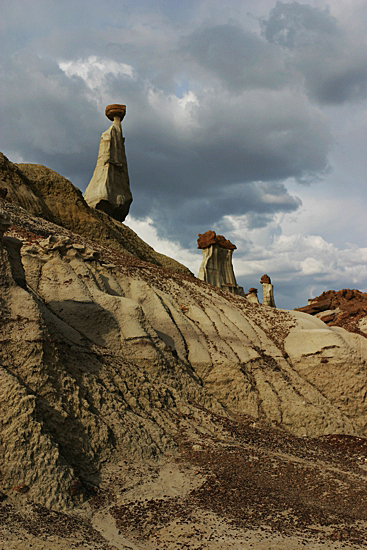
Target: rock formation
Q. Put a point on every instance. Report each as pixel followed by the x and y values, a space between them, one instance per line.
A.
pixel 109 188
pixel 134 392
pixel 345 308
pixel 268 291
pixel 45 193
pixel 252 296
pixel 19 189
pixel 216 267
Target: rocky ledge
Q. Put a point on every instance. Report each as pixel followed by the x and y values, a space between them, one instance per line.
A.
pixel 345 308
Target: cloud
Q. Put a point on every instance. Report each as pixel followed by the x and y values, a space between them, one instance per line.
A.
pixel 239 59
pixel 259 201
pixel 93 71
pixel 232 128
pixel 300 266
pixel 329 57
pixel 146 230
pixel 46 117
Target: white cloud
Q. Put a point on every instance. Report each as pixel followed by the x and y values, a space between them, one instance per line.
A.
pixel 312 266
pixel 146 231
pixel 95 73
pixel 177 112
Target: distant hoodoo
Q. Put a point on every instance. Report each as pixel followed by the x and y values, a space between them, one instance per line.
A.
pixel 268 291
pixel 252 296
pixel 216 267
pixel 109 188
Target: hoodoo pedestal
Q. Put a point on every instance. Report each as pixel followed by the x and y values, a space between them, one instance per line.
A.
pixel 109 188
pixel 216 267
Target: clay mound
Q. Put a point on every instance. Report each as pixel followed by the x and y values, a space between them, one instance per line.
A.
pixel 102 353
pixel 345 308
pixel 16 188
pixel 158 405
pixel 45 193
pixel 70 210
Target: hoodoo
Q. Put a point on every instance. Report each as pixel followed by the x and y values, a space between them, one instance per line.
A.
pixel 268 291
pixel 109 188
pixel 252 296
pixel 216 267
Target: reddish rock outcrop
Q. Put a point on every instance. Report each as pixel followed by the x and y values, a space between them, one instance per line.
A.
pixel 210 237
pixel 115 110
pixel 265 279
pixel 206 239
pixel 346 308
pixel 225 243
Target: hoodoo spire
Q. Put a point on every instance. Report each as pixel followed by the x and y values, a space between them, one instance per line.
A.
pixel 109 188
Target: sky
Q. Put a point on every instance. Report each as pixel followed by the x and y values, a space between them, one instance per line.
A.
pixel 247 117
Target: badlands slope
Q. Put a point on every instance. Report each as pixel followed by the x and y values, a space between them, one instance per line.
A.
pixel 143 408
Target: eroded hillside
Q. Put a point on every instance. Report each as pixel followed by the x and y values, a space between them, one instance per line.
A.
pixel 107 358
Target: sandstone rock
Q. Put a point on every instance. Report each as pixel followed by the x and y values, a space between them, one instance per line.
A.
pixel 268 291
pixel 19 189
pixel 109 188
pixel 115 111
pixel 55 242
pixel 210 237
pixel 225 243
pixel 206 239
pixel 216 267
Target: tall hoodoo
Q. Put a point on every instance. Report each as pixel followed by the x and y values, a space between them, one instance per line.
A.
pixel 216 267
pixel 109 188
pixel 268 291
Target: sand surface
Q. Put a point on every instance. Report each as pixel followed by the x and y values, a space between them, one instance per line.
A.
pixel 266 491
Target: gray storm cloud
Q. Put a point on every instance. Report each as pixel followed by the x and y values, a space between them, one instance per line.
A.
pixel 330 58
